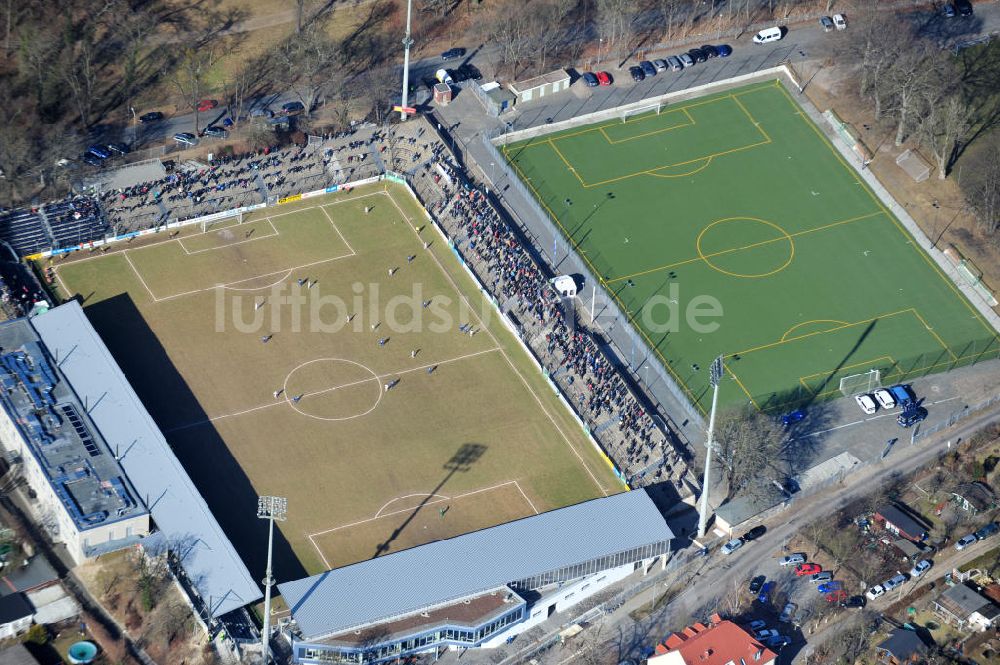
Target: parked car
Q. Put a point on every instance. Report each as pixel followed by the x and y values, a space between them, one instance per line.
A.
pixel 866 403
pixel 777 641
pixel 292 108
pixel 710 51
pixel 884 398
pixel 152 116
pixel 118 148
pixel 470 72
pixel 453 53
pixel 604 78
pixel 964 7
pixel 795 416
pixel 589 79
pixel 894 581
pixel 854 601
pixel 686 59
pixel 207 105
pixel 787 612
pixel 765 633
pixel 732 546
pixel 661 65
pixel 824 576
pixel 99 151
pixel 920 567
pixel 948 10
pixel 90 159
pixel 792 559
pixel 754 533
pixel 697 55
pixel 637 73
pixel 725 50
pixel 217 132
pixel 840 21
pixel 262 112
pixel 757 624
pixel 875 592
pixel 755 584
pixel 830 587
pixel 826 23
pixel 987 531
pixel 965 541
pixel 647 68
pixel 911 416
pixel 804 569
pixel 765 593
pixel 186 138
pixel 675 64
pixel 902 394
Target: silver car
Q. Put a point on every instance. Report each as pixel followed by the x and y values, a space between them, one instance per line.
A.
pixel 661 65
pixel 686 60
pixel 186 138
pixel 675 64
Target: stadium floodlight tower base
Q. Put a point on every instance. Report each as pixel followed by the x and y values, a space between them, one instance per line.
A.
pixel 856 384
pixel 269 508
pixel 641 110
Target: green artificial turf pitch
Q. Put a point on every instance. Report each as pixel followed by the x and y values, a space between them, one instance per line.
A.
pixel 739 197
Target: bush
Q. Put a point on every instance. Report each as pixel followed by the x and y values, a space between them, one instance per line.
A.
pixel 37 634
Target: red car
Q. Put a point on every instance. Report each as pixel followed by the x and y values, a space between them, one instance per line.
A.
pixel 604 78
pixel 804 569
pixel 207 104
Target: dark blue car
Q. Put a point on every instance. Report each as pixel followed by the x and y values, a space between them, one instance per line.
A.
pixel 99 151
pixel 648 68
pixel 589 79
pixel 795 416
pixel 765 593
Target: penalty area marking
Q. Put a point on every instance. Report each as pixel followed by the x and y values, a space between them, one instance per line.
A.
pixel 189 252
pixel 442 498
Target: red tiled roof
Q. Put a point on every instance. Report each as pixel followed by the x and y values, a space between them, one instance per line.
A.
pixel 719 644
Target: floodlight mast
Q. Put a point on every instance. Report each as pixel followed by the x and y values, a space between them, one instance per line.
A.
pixel 407 43
pixel 715 376
pixel 269 508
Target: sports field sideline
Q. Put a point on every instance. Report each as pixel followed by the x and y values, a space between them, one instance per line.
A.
pixel 738 199
pixel 276 381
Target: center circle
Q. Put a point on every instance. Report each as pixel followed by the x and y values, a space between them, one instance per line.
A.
pixel 767 247
pixel 332 389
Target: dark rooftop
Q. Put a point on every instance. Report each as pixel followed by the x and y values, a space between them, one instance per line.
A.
pixel 469 612
pixel 14 607
pixel 59 433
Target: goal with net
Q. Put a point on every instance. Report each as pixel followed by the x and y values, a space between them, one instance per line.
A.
pixel 855 384
pixel 653 109
pixel 222 221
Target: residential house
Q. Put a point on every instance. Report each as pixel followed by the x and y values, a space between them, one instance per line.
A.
pixel 973 497
pixel 16 615
pixel 902 646
pixel 719 643
pixel 894 520
pixel 963 606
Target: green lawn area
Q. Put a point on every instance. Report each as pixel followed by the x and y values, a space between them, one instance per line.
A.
pixel 471 428
pixel 737 201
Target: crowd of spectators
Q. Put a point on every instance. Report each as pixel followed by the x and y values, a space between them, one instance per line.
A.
pixel 19 290
pixel 640 449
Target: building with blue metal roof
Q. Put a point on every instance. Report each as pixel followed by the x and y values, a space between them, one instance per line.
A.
pixel 473 590
pixel 119 427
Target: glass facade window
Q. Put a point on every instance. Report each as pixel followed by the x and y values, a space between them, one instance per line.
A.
pixel 592 566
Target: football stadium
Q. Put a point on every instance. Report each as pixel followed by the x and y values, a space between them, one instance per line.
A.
pixel 738 199
pixel 333 351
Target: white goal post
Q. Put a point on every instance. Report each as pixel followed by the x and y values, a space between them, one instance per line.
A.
pixel 235 219
pixel 640 110
pixel 856 384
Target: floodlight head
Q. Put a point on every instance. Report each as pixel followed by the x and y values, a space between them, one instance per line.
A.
pixel 715 371
pixel 272 508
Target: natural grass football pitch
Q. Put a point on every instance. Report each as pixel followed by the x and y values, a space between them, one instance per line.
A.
pixel 739 196
pixel 480 440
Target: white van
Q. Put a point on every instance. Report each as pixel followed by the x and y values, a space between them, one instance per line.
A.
pixel 768 35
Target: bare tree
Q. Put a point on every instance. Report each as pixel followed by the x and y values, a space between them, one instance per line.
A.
pixel 983 191
pixel 911 80
pixel 749 442
pixel 614 19
pixel 313 56
pixel 943 128
pixel 189 78
pixel 668 10
pixel 79 73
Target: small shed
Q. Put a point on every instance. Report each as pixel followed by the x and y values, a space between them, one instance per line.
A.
pixel 963 606
pixel 973 497
pixel 495 98
pixel 442 94
pixel 900 523
pixel 540 86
